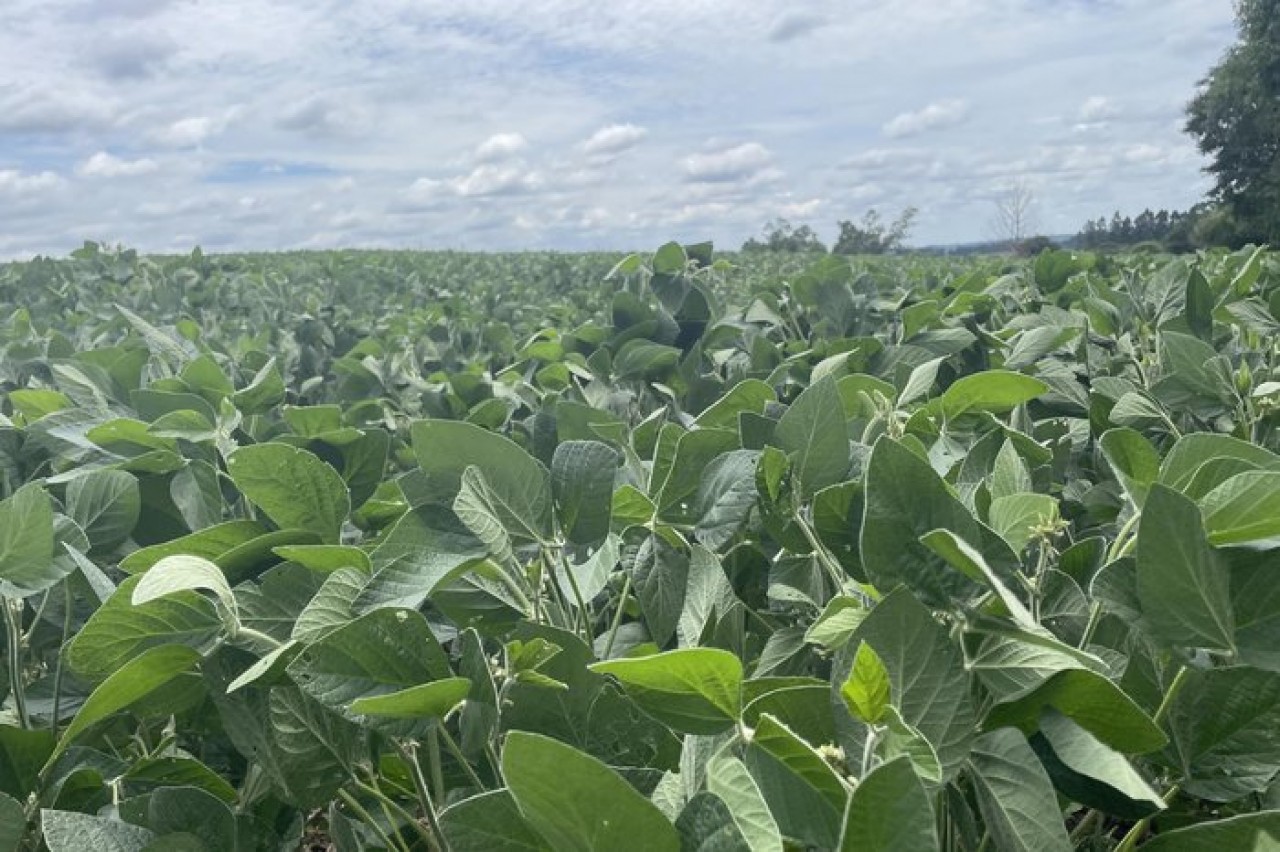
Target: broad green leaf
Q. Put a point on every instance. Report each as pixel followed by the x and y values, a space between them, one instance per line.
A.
pixel 866 690
pixel 189 812
pixel 325 558
pixel 996 391
pixel 1183 585
pixel 1134 461
pixel 1244 511
pixel 804 794
pixel 26 543
pixel 293 487
pixel 1194 450
pixel 964 557
pixel 22 753
pixel 928 682
pixel 105 504
pixel 140 677
pixel 813 433
pixel 890 811
pixel 13 824
pixel 445 449
pixel 381 652
pixel 837 622
pixel 693 690
pixel 70 831
pixel 725 497
pixel 1009 474
pixel 1018 517
pixel 694 453
pixel 1014 794
pixel 904 500
pixel 433 700
pixel 119 631
pixel 660 577
pixel 1224 730
pixel 425 547
pixel 480 509
pixel 489 822
pixel 748 395
pixel 582 474
pixel 184 573
pixel 728 778
pixel 1087 771
pixel 576 802
pixel 1255 832
pixel 210 543
pixel 706 825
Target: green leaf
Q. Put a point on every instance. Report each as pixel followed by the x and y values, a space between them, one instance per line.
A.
pixel 1014 794
pixel 725 498
pixel 379 653
pixel 890 811
pixel 26 543
pixel 13 824
pixel 1182 584
pixel 1193 451
pixel 1224 730
pixel 445 449
pixel 69 831
pixel 728 778
pixel 105 504
pixel 927 678
pixel 582 474
pixel 813 433
pixel 576 802
pixel 693 690
pixel 866 691
pixel 660 576
pixel 804 794
pixel 489 822
pixel 996 391
pixel 1256 832
pixel 119 631
pixel 134 681
pixel 833 628
pixel 184 573
pixel 426 547
pixel 904 500
pixel 1087 771
pixel 964 557
pixel 1134 461
pixel 706 825
pixel 433 700
pixel 1244 511
pixel 210 543
pixel 1017 517
pixel 293 487
pixel 22 753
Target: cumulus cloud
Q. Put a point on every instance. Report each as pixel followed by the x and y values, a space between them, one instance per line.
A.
pixel 106 165
pixel 1096 109
pixel 935 116
pixel 49 108
pixel 326 115
pixel 744 162
pixel 613 139
pixel 16 183
pixel 188 132
pixel 500 146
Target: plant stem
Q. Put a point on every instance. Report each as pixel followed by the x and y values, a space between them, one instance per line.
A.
pixel 437 770
pixel 452 745
pixel 1174 688
pixel 367 818
pixel 617 618
pixel 13 640
pixel 834 571
pixel 1120 546
pixel 410 755
pixel 57 671
pixel 1139 830
pixel 257 636
pixel 1095 616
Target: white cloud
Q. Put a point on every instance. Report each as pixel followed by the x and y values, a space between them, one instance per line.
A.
pixel 794 25
pixel 495 180
pixel 500 146
pixel 188 132
pixel 16 183
pixel 327 115
pixel 106 165
pixel 613 139
pixel 741 162
pixel 935 116
pixel 1097 109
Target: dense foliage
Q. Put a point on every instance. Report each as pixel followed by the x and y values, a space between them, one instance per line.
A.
pixel 409 551
pixel 1235 119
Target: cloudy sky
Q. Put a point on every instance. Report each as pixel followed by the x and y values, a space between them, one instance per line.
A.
pixel 574 124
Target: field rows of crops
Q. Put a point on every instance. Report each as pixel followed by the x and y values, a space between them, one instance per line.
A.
pixel 668 552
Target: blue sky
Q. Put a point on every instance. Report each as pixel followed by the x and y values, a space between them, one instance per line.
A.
pixel 579 124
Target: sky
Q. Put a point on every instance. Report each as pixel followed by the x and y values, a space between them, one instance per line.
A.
pixel 584 124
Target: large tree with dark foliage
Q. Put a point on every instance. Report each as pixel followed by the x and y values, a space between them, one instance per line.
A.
pixel 1236 120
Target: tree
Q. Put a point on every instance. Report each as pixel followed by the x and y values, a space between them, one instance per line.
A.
pixel 1015 214
pixel 781 236
pixel 1235 118
pixel 873 235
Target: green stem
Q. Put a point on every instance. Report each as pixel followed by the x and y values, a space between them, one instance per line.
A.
pixel 1121 545
pixel 410 756
pixel 57 671
pixel 617 618
pixel 1084 827
pixel 13 624
pixel 367 818
pixel 257 636
pixel 1139 830
pixel 834 571
pixel 1095 616
pixel 577 596
pixel 437 769
pixel 452 745
pixel 389 803
pixel 1174 688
